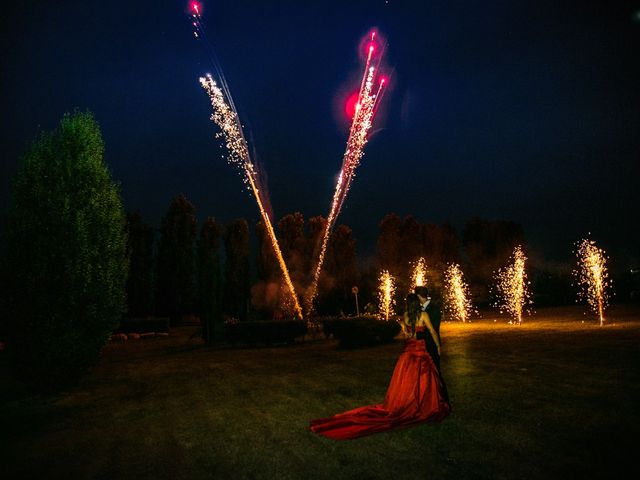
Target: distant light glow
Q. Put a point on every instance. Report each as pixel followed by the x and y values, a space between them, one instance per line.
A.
pixel 351 106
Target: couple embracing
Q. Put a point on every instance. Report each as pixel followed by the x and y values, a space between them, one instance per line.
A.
pixel 416 394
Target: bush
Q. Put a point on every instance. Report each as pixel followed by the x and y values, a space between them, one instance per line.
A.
pixel 66 255
pixel 361 331
pixel 266 333
pixel 143 325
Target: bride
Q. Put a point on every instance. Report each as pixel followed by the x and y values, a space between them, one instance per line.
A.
pixel 416 393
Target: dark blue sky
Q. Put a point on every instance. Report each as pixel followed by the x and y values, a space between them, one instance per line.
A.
pixel 526 111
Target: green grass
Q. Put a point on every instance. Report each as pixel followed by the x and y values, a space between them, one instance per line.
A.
pixel 551 398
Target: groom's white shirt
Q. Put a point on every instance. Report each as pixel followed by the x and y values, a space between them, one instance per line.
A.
pixel 425 305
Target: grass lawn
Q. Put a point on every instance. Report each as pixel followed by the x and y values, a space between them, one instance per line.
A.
pixel 552 398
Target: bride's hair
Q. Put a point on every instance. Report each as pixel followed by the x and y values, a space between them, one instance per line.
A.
pixel 412 305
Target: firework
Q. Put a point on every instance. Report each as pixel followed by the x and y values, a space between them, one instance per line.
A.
pixel 592 276
pixel 457 295
pixel 419 275
pixel 513 286
pixel 226 117
pixel 368 100
pixel 386 294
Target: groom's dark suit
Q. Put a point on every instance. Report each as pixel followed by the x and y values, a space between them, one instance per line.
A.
pixel 435 316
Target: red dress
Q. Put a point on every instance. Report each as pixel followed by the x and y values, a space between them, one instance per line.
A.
pixel 416 394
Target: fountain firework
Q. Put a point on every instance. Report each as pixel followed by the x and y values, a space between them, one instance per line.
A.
pixel 368 100
pixel 592 276
pixel 457 295
pixel 419 275
pixel 386 294
pixel 225 115
pixel 513 286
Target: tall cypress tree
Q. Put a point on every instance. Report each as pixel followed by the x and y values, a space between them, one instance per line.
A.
pixel 293 243
pixel 66 251
pixel 209 284
pixel 236 269
pixel 389 243
pixel 267 268
pixel 139 282
pixel 175 279
pixel 342 268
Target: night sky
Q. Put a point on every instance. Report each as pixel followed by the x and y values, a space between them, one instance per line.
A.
pixel 523 111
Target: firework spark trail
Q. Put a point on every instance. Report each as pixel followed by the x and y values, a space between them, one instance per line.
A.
pixel 231 131
pixel 513 286
pixel 457 295
pixel 419 276
pixel 200 34
pixel 368 100
pixel 386 294
pixel 592 276
pixel 226 117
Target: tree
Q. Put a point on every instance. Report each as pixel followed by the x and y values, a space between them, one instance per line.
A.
pixel 410 249
pixel 236 269
pixel 66 249
pixel 140 252
pixel 341 269
pixel 488 245
pixel 209 282
pixel 175 282
pixel 389 238
pixel 317 225
pixel 439 244
pixel 293 245
pixel 267 266
pixel 265 293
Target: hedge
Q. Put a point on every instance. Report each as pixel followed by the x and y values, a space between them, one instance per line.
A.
pixel 360 331
pixel 266 333
pixel 143 325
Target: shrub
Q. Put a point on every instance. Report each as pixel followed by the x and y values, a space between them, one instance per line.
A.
pixel 361 331
pixel 143 325
pixel 266 333
pixel 66 255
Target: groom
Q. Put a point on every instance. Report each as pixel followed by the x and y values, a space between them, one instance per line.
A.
pixel 433 310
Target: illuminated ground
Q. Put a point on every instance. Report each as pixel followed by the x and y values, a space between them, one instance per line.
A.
pixel 551 398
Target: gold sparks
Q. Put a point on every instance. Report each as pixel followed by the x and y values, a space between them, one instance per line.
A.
pixel 592 276
pixel 513 286
pixel 457 301
pixel 419 275
pixel 368 99
pixel 231 132
pixel 386 294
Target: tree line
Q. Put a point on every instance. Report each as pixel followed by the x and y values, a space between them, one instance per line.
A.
pixel 73 262
pixel 182 270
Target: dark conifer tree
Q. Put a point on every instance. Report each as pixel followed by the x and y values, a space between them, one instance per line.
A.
pixel 209 278
pixel 66 251
pixel 236 269
pixel 140 252
pixel 175 280
pixel 389 240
